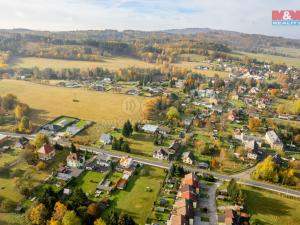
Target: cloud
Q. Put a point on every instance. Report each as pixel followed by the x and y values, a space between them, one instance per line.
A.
pixel 250 16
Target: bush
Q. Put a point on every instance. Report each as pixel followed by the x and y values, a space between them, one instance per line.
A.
pixel 41 165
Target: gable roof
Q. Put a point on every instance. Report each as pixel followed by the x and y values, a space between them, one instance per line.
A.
pixel 45 149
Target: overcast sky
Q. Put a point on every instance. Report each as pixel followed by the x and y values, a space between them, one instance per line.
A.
pixel 249 16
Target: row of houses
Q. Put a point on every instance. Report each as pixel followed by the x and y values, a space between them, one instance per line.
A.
pixel 186 201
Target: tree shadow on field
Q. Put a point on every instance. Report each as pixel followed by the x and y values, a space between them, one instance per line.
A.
pixel 39 116
pixel 257 203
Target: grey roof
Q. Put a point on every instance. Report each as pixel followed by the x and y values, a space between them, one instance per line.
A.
pixel 150 128
pixel 106 138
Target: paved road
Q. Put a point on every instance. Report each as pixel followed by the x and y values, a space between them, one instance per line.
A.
pixel 241 178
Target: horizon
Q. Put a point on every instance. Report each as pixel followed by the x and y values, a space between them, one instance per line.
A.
pixel 145 15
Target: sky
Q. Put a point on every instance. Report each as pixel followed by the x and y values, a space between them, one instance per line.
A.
pixel 248 16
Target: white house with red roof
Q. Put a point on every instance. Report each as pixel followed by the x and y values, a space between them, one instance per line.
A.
pixel 46 152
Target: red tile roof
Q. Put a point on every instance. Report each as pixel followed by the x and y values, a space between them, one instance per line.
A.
pixel 45 149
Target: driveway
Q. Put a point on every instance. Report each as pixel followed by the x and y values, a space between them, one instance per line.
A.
pixel 210 203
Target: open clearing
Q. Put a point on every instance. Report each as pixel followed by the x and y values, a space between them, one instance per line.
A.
pixel 50 102
pixel 108 63
pixel 271 208
pixel 135 199
pixel 270 58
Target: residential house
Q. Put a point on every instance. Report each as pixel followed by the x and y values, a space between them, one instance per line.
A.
pixel 188 158
pixel 161 154
pixel 74 160
pixel 126 162
pixel 187 192
pixel 251 142
pixel 149 128
pixel 106 139
pixel 73 130
pixel 203 165
pixel 179 84
pixel 232 115
pixel 190 179
pixel 22 143
pixel 213 101
pixel 3 139
pixel 46 152
pixel 104 160
pixel 273 140
pixel 182 212
pixel 173 149
pixel 254 90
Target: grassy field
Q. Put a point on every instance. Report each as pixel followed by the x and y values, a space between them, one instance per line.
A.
pixel 50 102
pixel 108 63
pixel 12 219
pixel 271 58
pixel 192 65
pixel 89 181
pixel 270 208
pixel 135 199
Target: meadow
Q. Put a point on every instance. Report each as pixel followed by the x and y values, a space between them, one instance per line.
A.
pixel 57 64
pixel 50 102
pixel 135 199
pixel 271 58
pixel 270 208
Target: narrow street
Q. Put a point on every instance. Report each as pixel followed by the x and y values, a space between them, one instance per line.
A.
pixel 207 205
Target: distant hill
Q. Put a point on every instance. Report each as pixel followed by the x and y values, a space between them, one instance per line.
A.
pixel 234 40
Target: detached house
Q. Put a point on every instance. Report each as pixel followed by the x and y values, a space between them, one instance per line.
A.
pixel 273 140
pixel 161 154
pixel 126 162
pixel 75 160
pixel 46 152
pixel 188 158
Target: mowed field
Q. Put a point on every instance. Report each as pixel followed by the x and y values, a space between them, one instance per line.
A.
pixel 50 102
pixel 270 208
pixel 271 58
pixel 108 63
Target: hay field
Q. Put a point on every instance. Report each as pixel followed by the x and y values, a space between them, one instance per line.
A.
pixel 49 102
pixel 108 63
pixel 192 65
pixel 271 58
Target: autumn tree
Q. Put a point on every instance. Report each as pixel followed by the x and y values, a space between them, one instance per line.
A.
pixel 21 110
pixel 37 215
pixel 172 114
pixel 254 124
pixel 99 221
pixel 297 107
pixel 9 102
pixel 24 125
pixel 40 139
pixel 266 170
pixel 214 164
pixel 274 92
pixel 93 210
pixel 280 109
pixel 70 218
pixel 59 211
pixel 41 165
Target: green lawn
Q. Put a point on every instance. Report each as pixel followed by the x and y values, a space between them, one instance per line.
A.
pixel 270 208
pixel 141 143
pixel 12 219
pixel 135 199
pixel 89 180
